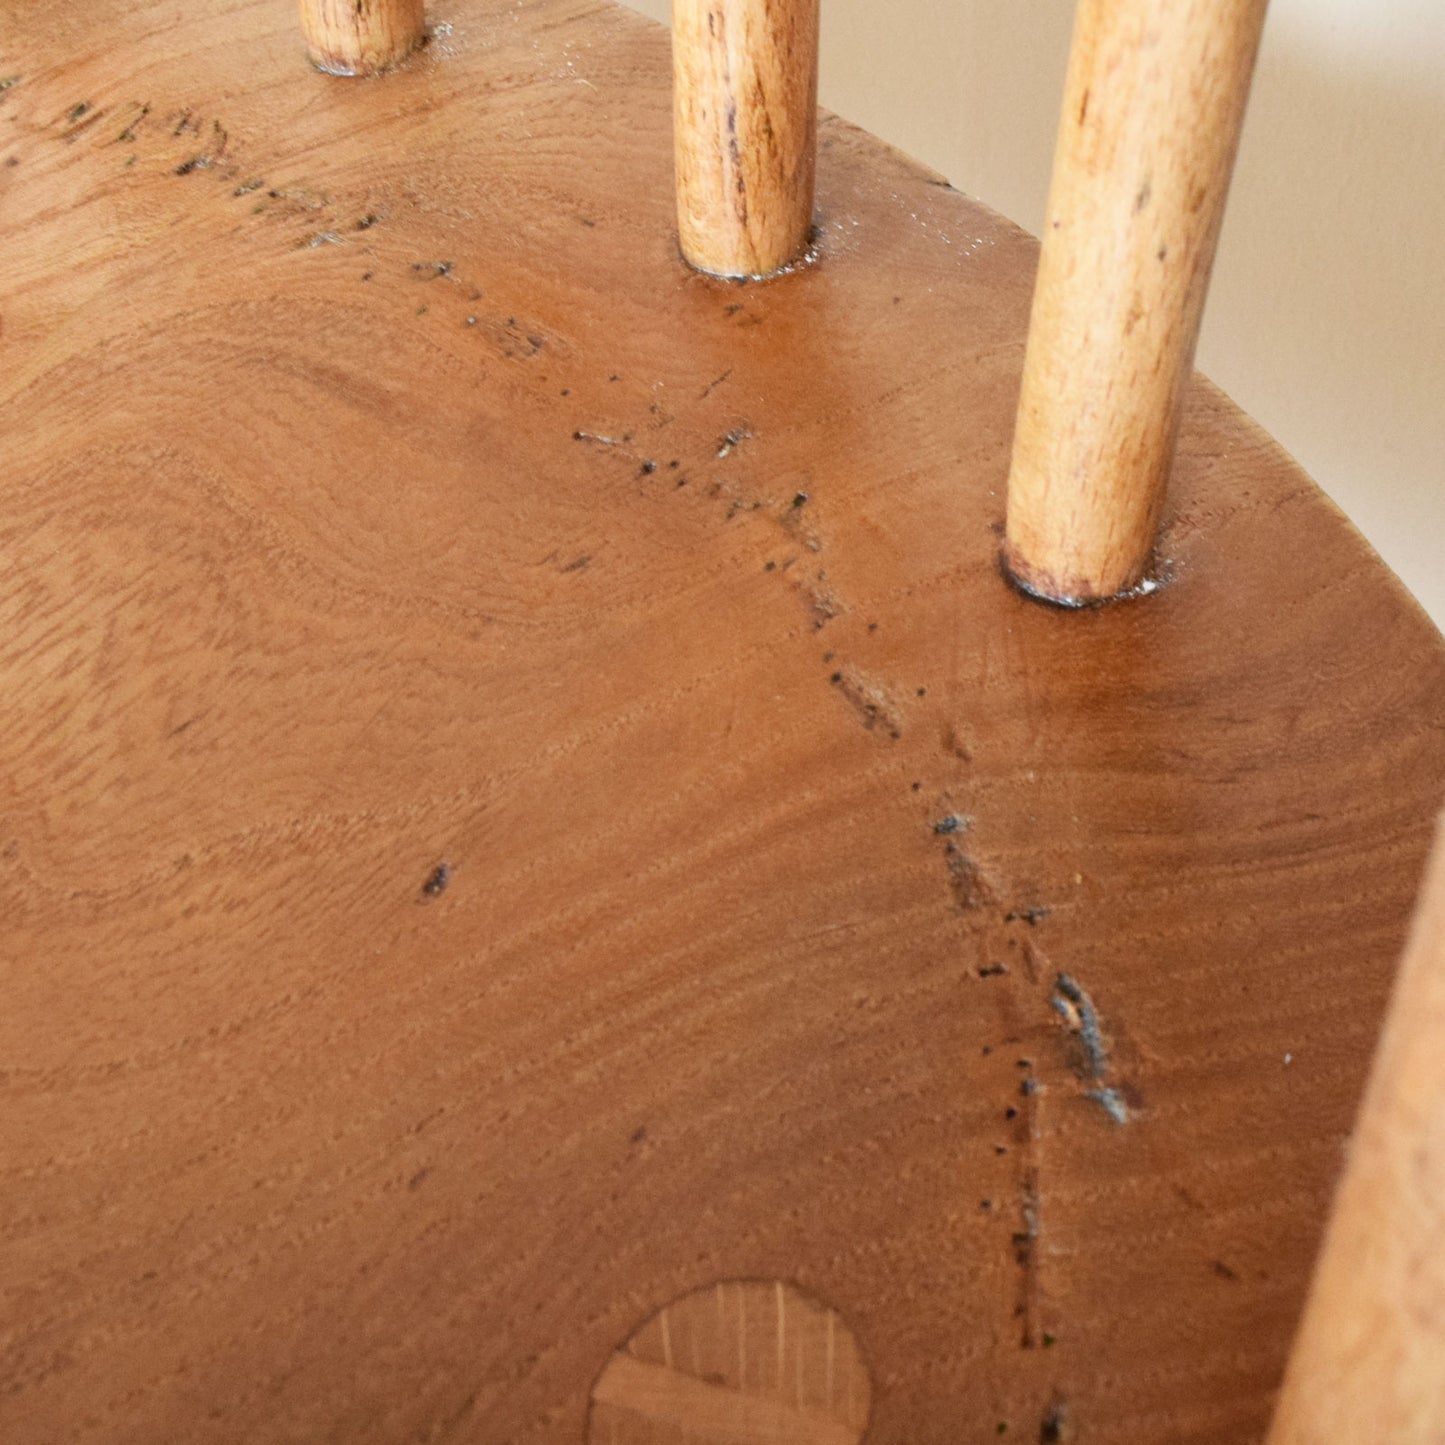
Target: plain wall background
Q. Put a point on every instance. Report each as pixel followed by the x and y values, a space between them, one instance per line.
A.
pixel 1326 317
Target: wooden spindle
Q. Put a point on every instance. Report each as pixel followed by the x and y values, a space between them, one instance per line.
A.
pixel 1368 1365
pixel 1153 106
pixel 361 37
pixel 745 109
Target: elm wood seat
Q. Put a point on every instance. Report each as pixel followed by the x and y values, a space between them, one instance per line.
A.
pixel 526 796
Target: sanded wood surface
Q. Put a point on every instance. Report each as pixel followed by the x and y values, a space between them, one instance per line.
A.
pixel 361 37
pixel 745 121
pixel 1369 1362
pixel 1150 123
pixel 524 794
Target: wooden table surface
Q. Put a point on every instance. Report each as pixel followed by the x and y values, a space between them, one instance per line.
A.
pixel 524 796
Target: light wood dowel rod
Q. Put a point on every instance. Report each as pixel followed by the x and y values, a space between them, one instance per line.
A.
pixel 1368 1365
pixel 361 37
pixel 745 108
pixel 1153 106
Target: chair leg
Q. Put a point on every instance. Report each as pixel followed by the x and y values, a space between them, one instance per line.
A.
pixel 1153 107
pixel 745 108
pixel 1368 1364
pixel 361 37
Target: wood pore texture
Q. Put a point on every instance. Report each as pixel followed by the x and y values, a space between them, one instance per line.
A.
pixel 524 794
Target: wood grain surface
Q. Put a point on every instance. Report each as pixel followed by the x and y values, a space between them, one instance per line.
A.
pixel 524 794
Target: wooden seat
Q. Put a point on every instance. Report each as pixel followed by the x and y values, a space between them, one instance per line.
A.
pixel 527 797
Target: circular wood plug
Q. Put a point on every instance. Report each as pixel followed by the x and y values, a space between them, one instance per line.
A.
pixel 743 1362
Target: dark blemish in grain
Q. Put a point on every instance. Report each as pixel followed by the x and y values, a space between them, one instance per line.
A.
pixel 800 499
pixel 825 606
pixel 953 744
pixel 1026 1256
pixel 429 270
pixel 951 823
pixel 733 309
pixel 82 118
pixel 1073 1004
pixel 579 565
pixel 1054 1427
pixel 732 440
pixel 77 110
pixel 707 391
pixel 437 880
pixel 366 275
pixel 965 878
pixel 181 727
pixel 249 186
pixel 992 970
pixel 639 1134
pixel 1031 916
pixel 128 134
pixel 1142 199
pixel 419 1178
pixel 1084 107
pixel 1224 1271
pixel 1112 1102
pixel 367 221
pixel 648 468
pixel 196 163
pixel 872 627
pixel 922 692
pixel 1162 252
pixel 7 82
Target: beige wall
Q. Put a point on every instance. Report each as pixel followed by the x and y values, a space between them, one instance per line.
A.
pixel 1326 319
